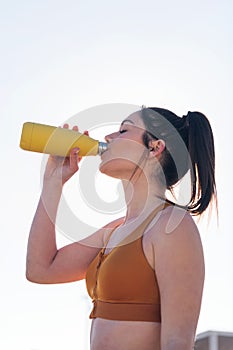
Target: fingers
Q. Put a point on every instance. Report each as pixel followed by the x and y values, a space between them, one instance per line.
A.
pixel 74 159
pixel 75 128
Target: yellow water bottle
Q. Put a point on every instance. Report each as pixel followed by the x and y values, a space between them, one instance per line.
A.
pixel 58 141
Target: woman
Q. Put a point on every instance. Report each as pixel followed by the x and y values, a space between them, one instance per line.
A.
pixel 145 271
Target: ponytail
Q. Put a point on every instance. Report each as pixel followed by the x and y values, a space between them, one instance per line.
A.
pixel 195 131
pixel 202 155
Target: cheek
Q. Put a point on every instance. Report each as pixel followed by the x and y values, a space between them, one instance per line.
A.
pixel 127 149
pixel 120 160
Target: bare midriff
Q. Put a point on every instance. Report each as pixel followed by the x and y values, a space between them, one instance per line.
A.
pixel 124 335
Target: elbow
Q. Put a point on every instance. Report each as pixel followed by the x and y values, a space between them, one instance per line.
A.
pixel 34 277
pixel 31 277
pixel 35 272
pixel 29 274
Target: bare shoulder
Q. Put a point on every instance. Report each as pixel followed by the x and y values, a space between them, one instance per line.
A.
pixel 173 223
pixel 173 234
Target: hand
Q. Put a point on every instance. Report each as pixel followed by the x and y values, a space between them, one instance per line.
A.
pixel 63 168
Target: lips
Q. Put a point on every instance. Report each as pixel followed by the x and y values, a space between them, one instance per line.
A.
pixel 104 153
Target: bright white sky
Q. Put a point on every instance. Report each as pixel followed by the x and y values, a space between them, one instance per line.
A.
pixel 61 57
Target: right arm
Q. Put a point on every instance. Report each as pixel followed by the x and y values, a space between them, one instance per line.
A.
pixel 45 263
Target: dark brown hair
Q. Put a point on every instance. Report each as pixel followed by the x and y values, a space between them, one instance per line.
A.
pixel 189 148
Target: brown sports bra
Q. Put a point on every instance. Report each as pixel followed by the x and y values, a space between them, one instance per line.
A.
pixel 122 284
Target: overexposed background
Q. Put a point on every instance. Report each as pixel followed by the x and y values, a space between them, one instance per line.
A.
pixel 59 58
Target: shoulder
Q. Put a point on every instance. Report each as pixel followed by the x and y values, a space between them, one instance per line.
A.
pixel 172 221
pixel 175 232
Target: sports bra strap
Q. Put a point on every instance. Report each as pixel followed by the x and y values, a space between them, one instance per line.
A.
pixel 109 236
pixel 138 231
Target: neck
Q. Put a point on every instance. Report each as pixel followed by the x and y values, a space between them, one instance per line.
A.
pixel 142 197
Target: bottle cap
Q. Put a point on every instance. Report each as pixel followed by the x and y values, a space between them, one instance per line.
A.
pixel 102 147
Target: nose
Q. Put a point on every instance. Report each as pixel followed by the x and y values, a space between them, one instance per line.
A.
pixel 108 138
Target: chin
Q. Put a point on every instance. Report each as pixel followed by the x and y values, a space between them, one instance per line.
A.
pixel 114 168
pixel 120 170
pixel 106 169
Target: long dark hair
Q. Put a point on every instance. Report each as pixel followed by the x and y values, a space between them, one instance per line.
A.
pixel 189 148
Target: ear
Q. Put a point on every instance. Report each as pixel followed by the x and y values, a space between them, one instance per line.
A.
pixel 156 147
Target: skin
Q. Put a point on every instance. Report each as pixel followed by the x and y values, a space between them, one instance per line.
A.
pixel 177 257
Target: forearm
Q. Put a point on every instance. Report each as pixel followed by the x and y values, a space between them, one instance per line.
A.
pixel 178 344
pixel 42 246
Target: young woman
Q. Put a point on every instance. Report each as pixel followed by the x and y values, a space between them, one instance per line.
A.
pixel 145 271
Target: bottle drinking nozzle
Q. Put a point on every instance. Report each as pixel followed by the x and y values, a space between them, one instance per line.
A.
pixel 58 141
